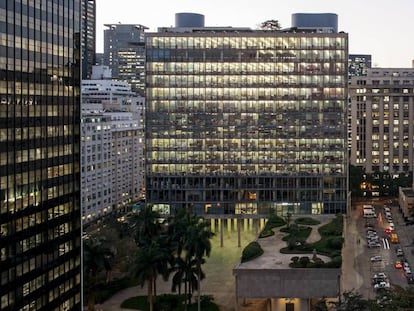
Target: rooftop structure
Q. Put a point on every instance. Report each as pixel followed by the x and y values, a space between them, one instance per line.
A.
pixel 245 121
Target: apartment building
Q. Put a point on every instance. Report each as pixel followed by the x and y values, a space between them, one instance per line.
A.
pixel 40 223
pixel 382 122
pixel 242 121
pixel 112 145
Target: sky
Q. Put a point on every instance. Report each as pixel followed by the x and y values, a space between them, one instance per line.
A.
pixel 382 28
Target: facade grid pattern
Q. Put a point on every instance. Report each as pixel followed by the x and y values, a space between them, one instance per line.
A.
pixel 243 122
pixel 40 224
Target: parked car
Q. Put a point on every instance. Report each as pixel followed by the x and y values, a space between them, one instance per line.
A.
pixel 373 244
pixel 376 258
pixel 380 275
pixel 382 284
pixel 399 252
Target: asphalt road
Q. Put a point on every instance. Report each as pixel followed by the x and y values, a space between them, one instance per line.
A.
pixel 363 265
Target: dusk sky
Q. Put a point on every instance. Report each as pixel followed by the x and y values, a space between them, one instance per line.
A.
pixel 381 28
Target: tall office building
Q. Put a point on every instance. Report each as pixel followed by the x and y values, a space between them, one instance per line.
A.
pixel 88 37
pixel 40 223
pixel 382 120
pixel 359 64
pixel 112 158
pixel 241 121
pixel 124 53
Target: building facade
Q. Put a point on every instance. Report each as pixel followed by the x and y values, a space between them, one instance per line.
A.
pixel 40 223
pixel 240 121
pixel 88 37
pixel 382 125
pixel 359 64
pixel 112 147
pixel 124 53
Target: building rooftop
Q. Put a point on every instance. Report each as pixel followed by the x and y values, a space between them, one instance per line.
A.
pixel 272 258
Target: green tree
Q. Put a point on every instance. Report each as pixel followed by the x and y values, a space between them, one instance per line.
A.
pixel 356 177
pixel 351 301
pixel 146 225
pixel 271 24
pixel 151 260
pixel 197 246
pixel 97 257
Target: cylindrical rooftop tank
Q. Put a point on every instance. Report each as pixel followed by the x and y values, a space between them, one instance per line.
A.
pixel 189 20
pixel 315 20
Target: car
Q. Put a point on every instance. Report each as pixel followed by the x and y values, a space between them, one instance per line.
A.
pixel 407 270
pixel 410 280
pixel 391 226
pixel 406 264
pixel 379 275
pixel 373 244
pixel 382 284
pixel 376 258
pixel 388 230
pixel 387 209
pixel 388 214
pixel 399 252
pixel 398 264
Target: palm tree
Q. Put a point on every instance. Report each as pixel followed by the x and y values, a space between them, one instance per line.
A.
pixel 96 257
pixel 147 226
pixel 150 261
pixel 197 246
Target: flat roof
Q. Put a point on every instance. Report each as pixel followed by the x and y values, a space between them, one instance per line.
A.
pixel 272 258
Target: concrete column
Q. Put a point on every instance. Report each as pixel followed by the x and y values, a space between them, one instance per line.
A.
pixel 221 232
pixel 238 233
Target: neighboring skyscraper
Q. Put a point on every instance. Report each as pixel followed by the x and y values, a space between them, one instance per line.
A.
pixel 40 223
pixel 88 37
pixel 382 108
pixel 241 121
pixel 112 145
pixel 124 53
pixel 358 65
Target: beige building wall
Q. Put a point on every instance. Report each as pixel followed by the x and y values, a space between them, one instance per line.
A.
pixel 382 116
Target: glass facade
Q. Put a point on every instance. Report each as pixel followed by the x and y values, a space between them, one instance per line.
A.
pixel 241 122
pixel 40 244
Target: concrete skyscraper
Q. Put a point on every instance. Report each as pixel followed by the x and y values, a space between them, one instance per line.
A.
pixel 124 53
pixel 40 223
pixel 242 121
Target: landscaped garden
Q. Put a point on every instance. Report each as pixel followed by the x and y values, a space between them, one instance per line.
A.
pixel 330 243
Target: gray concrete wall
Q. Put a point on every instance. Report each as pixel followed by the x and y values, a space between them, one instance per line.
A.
pixel 288 283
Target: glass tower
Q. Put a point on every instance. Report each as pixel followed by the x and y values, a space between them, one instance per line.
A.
pixel 40 237
pixel 242 122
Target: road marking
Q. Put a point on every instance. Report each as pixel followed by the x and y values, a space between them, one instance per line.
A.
pixel 386 243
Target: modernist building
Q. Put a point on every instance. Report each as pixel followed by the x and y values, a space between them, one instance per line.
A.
pixel 124 53
pixel 382 112
pixel 112 145
pixel 242 121
pixel 40 223
pixel 358 64
pixel 88 37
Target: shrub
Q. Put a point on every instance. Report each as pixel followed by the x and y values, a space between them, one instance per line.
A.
pixel 304 261
pixel 307 221
pixel 273 222
pixel 295 259
pixel 251 251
